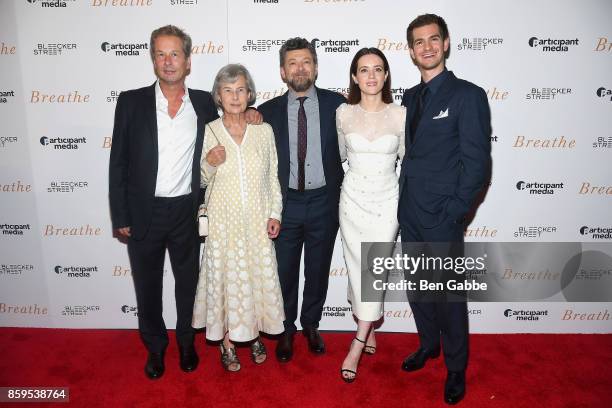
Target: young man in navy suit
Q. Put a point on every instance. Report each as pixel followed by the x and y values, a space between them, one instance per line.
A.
pixel 310 175
pixel 446 164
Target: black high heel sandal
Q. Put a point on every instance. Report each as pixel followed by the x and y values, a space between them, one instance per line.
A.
pixel 346 370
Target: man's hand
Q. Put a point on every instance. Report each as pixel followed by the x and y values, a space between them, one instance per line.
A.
pixel 253 117
pixel 216 156
pixel 273 228
pixel 124 232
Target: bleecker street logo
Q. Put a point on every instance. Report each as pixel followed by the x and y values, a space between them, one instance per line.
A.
pixel 66 186
pixel 539 188
pixel 14 229
pixel 7 140
pixel 604 93
pixel 124 49
pixel 601 142
pixel 79 310
pixel 113 96
pixel 53 49
pixel 51 3
pixel 335 45
pixel 539 94
pixel 15 269
pixel 596 232
pixel 261 45
pixel 525 315
pixel 478 43
pixel 552 44
pixel 75 271
pixel 533 231
pixel 63 143
pixel 4 95
pixel 183 2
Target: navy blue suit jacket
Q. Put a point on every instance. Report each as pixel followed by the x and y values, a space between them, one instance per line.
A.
pixel 134 156
pixel 274 112
pixel 447 164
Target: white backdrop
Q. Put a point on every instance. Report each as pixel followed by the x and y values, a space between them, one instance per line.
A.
pixel 60 266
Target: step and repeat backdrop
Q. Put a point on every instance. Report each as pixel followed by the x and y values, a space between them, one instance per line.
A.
pixel 546 67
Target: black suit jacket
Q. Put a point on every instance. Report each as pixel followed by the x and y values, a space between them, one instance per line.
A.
pixel 275 113
pixel 134 156
pixel 448 162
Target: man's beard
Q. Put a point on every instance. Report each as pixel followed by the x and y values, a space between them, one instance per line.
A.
pixel 300 83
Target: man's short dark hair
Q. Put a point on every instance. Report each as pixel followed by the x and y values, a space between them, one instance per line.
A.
pixel 423 20
pixel 297 43
pixel 171 30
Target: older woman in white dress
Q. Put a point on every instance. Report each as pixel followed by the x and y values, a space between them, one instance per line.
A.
pixel 238 291
pixel 371 137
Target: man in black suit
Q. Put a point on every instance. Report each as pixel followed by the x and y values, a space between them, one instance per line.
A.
pixel 446 164
pixel 310 175
pixel 154 189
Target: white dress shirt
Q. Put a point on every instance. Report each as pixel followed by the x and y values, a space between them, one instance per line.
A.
pixel 176 139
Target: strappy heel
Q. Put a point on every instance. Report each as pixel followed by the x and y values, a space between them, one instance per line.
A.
pixel 258 350
pixel 346 370
pixel 229 359
pixel 370 350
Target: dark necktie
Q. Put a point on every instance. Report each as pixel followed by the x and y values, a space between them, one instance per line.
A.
pixel 302 143
pixel 418 112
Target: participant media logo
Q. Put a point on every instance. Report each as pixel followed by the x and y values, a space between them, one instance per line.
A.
pixel 533 231
pixel 63 143
pixel 4 95
pixel 538 188
pixel 262 45
pixel 337 311
pixel 596 232
pixel 14 229
pixel 525 315
pixel 79 310
pixel 129 310
pixel 603 142
pixel 265 1
pixel 125 49
pixel 334 45
pixel 53 48
pixel 478 43
pixel 51 3
pixel 604 93
pixel 15 269
pixel 552 44
pixel 75 271
pixel 66 186
pixel 546 94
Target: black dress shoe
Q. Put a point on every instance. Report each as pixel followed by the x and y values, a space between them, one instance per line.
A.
pixel 154 368
pixel 188 358
pixel 284 347
pixel 454 389
pixel 417 360
pixel 315 342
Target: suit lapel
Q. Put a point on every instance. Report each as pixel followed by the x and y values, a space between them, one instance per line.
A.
pixel 325 118
pixel 199 142
pixel 283 137
pixel 151 113
pixel 439 101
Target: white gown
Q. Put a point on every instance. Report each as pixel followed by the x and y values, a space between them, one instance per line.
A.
pixel 372 142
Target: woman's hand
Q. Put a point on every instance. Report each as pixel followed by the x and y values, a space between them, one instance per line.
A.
pixel 216 156
pixel 273 228
pixel 253 116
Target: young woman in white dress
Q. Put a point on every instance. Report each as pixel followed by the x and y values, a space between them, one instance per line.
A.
pixel 371 137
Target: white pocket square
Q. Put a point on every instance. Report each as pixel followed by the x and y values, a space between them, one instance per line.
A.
pixel 442 114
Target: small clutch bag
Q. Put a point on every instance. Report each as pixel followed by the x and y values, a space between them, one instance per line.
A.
pixel 203 222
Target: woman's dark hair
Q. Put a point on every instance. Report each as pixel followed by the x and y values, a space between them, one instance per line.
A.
pixel 354 96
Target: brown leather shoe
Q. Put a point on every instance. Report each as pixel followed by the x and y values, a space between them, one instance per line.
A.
pixel 284 347
pixel 315 342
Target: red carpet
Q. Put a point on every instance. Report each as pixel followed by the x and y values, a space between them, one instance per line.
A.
pixel 104 368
